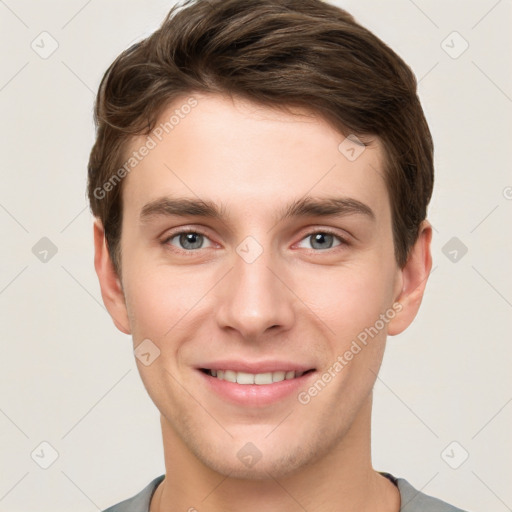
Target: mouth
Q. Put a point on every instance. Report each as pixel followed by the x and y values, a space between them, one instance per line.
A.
pixel 259 379
pixel 250 389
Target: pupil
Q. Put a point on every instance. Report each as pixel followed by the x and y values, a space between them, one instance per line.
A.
pixel 321 238
pixel 190 240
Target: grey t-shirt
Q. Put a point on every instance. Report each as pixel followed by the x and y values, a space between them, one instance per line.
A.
pixel 411 499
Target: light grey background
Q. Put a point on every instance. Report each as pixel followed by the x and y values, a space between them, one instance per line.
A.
pixel 69 378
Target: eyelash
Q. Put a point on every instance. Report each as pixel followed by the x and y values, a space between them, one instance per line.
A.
pixel 343 241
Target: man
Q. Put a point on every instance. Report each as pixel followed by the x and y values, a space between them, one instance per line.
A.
pixel 260 181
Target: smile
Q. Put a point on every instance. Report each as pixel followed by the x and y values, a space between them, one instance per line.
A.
pixel 260 379
pixel 261 387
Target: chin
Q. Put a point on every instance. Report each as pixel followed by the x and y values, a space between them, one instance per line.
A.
pixel 262 470
pixel 242 459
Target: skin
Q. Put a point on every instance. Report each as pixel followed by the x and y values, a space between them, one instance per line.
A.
pixel 296 302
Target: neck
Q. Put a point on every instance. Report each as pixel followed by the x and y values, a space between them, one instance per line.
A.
pixel 341 481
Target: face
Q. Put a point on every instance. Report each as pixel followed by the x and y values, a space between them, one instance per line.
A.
pixel 265 287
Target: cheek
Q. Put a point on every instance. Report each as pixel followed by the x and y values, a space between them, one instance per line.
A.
pixel 162 300
pixel 347 299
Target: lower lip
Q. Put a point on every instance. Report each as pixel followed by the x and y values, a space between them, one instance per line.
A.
pixel 255 394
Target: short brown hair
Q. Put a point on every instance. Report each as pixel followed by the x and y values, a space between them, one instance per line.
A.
pixel 277 53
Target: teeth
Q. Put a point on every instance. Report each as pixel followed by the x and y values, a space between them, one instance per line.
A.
pixel 278 376
pixel 263 378
pixel 230 375
pixel 244 378
pixel 254 378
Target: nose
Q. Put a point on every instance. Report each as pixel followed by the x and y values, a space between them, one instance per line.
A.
pixel 255 298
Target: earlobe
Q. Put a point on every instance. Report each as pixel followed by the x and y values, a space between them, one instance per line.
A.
pixel 110 283
pixel 414 278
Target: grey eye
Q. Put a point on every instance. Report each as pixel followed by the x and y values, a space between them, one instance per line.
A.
pixel 188 240
pixel 322 240
pixel 191 240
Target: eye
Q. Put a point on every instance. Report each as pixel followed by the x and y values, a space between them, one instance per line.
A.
pixel 187 240
pixel 323 240
pixel 190 241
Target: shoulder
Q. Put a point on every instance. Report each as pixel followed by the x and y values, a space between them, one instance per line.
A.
pixel 413 500
pixel 139 502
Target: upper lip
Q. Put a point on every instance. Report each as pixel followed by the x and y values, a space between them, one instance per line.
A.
pixel 256 367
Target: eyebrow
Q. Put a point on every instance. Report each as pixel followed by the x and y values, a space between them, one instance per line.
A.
pixel 305 207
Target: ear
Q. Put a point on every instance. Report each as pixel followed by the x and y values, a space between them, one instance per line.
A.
pixel 414 276
pixel 110 284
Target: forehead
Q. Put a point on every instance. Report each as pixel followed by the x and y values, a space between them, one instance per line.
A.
pixel 250 158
